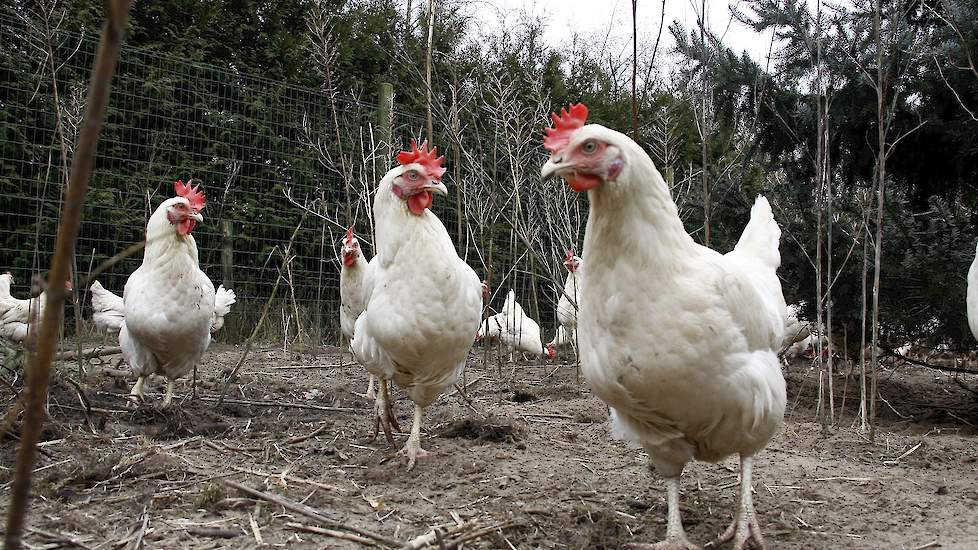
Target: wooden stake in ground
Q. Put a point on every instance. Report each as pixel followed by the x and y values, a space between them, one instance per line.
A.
pixel 81 168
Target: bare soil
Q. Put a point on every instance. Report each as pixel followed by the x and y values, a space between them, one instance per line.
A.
pixel 525 462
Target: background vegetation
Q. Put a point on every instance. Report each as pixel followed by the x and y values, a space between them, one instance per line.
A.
pixel 273 107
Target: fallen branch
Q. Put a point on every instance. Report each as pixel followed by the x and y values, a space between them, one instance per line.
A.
pixel 891 353
pixel 458 534
pixel 309 512
pixel 88 353
pixel 213 532
pixel 310 367
pixel 310 435
pixel 285 404
pixel 330 533
pixel 63 540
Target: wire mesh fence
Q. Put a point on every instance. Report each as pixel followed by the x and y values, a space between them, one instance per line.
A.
pixel 246 139
pixel 268 154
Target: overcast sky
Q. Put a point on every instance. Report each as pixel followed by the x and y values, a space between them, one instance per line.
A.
pixel 585 16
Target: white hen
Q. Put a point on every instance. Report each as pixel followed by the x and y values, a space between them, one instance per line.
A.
pixel 678 339
pixel 422 302
pixel 561 339
pixel 15 314
pixel 566 310
pixel 972 297
pixel 519 332
pixel 169 301
pixel 108 309
pixel 795 328
pixel 351 291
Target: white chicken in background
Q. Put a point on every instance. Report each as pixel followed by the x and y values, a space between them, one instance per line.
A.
pixel 519 332
pixel 351 291
pixel 561 339
pixel 422 302
pixel 15 314
pixel 679 340
pixel 566 309
pixel 795 328
pixel 170 302
pixel 108 309
pixel 972 297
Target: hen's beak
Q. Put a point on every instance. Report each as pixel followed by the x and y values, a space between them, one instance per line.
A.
pixel 197 217
pixel 553 167
pixel 438 188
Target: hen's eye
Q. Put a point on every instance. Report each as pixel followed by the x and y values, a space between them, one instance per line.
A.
pixel 589 147
pixel 413 176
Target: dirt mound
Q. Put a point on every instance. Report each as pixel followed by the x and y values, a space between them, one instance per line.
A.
pixel 482 430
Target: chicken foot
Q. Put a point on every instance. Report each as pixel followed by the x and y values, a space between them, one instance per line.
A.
pixel 136 393
pixel 675 535
pixel 384 413
pixel 745 529
pixel 168 398
pixel 413 449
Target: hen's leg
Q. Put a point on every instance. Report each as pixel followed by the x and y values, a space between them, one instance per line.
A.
pixel 136 394
pixel 169 393
pixel 413 448
pixel 745 527
pixel 384 413
pixel 675 535
pixel 371 394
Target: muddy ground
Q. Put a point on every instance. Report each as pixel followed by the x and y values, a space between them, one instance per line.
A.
pixel 525 463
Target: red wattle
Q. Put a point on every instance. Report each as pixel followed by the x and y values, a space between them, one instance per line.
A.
pixel 186 226
pixel 349 260
pixel 418 203
pixel 583 182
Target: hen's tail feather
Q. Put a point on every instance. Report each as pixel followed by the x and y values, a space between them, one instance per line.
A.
pixel 105 300
pixel 223 298
pixel 762 236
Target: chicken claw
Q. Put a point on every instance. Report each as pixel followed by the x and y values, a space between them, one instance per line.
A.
pixel 168 399
pixel 747 537
pixel 136 395
pixel 745 530
pixel 413 449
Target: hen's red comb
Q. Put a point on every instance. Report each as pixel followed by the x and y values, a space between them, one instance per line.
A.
pixel 565 125
pixel 569 256
pixel 349 235
pixel 429 159
pixel 193 194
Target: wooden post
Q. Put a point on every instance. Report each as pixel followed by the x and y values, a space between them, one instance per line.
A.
pixel 385 114
pixel 227 253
